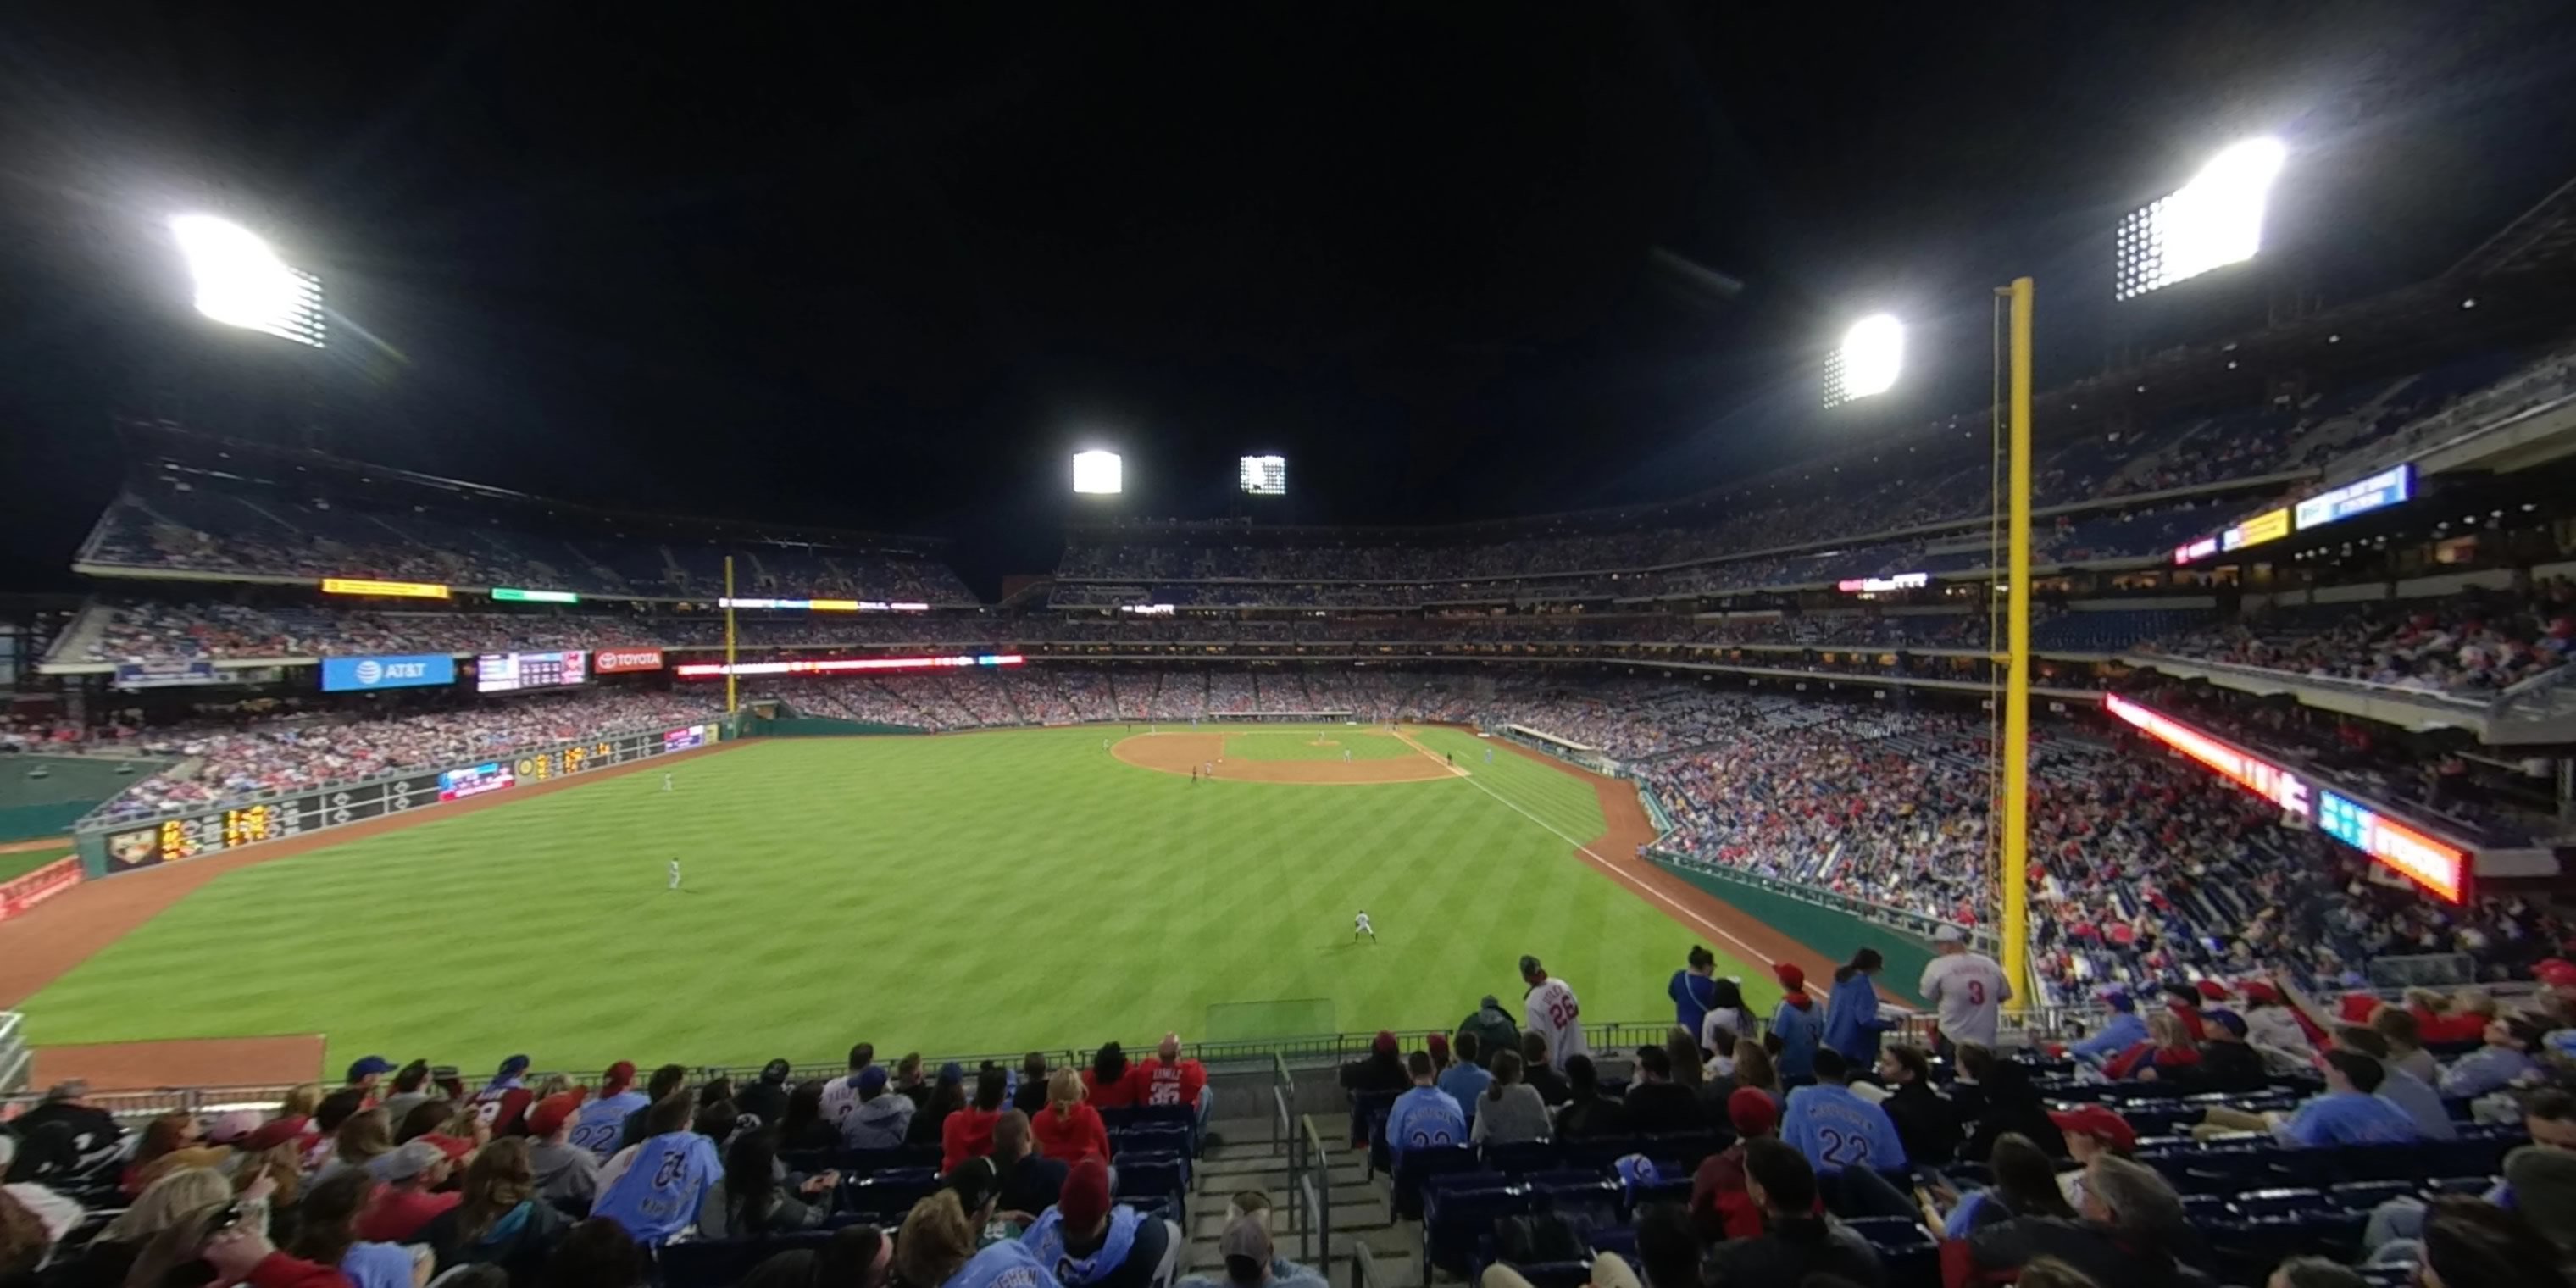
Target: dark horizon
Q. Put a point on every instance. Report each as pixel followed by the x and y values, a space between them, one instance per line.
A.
pixel 851 272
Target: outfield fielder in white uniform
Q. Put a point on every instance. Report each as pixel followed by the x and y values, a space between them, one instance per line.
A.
pixel 1361 927
pixel 675 874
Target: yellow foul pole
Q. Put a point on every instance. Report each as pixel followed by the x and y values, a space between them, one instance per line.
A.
pixel 728 607
pixel 2016 748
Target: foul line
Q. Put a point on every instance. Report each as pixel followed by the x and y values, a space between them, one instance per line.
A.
pixel 1435 757
pixel 1756 957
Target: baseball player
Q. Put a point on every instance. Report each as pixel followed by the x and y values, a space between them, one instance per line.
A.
pixel 1360 927
pixel 1346 755
pixel 675 873
pixel 666 782
pixel 1551 1011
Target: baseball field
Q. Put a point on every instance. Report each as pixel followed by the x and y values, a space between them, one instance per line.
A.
pixel 974 893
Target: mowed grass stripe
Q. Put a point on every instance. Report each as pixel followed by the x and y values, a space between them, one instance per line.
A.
pixel 982 893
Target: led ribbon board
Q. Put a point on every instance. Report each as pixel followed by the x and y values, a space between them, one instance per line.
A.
pixel 835 665
pixel 397 589
pixel 2435 865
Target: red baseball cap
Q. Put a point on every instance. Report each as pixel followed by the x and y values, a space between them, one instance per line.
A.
pixel 2256 990
pixel 2557 972
pixel 1751 1111
pixel 1438 1045
pixel 2094 1120
pixel 621 1075
pixel 1791 975
pixel 2212 990
pixel 552 1112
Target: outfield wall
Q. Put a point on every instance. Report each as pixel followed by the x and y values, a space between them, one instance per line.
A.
pixel 33 806
pixel 127 845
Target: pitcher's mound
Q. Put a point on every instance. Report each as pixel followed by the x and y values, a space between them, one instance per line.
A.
pixel 1179 753
pixel 183 1062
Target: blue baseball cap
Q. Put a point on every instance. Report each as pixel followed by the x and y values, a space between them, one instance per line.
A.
pixel 373 1066
pixel 2119 1000
pixel 952 1072
pixel 872 1080
pixel 516 1064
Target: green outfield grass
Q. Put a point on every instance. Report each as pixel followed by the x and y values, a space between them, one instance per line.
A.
pixel 1315 744
pixel 983 893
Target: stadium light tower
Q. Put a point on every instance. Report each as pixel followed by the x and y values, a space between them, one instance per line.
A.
pixel 241 282
pixel 1870 359
pixel 2211 222
pixel 1098 473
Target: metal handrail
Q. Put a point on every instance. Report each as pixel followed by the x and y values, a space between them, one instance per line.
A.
pixel 1319 1194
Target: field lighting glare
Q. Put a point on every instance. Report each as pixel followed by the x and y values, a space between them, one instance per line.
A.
pixel 1096 473
pixel 1871 356
pixel 2213 221
pixel 241 282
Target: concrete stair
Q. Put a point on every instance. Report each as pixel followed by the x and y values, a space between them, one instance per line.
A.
pixel 1360 1206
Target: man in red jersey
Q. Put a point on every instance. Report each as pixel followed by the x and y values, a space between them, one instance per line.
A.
pixel 1170 1080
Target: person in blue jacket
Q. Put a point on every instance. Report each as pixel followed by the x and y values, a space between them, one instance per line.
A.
pixel 1852 1025
pixel 1796 1027
pixel 2123 1030
pixel 1694 990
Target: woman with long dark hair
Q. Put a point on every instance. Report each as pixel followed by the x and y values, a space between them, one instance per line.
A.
pixel 501 1221
pixel 756 1198
pixel 1108 1079
pixel 1852 1025
pixel 327 1234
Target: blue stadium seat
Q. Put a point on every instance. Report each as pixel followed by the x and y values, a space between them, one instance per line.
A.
pixel 1423 1162
pixel 1595 1203
pixel 1621 1240
pixel 1455 1222
pixel 2469 1185
pixel 721 1263
pixel 1602 1151
pixel 2261 1204
pixel 1152 1175
pixel 2362 1196
pixel 1151 1138
pixel 1907 1252
pixel 1684 1147
pixel 890 1193
pixel 865 1162
pixel 1524 1157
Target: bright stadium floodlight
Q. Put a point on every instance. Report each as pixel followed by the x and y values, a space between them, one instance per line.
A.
pixel 241 282
pixel 1096 473
pixel 1264 475
pixel 1871 356
pixel 2211 222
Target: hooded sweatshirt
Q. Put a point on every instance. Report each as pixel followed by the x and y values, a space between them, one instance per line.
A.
pixel 1852 1025
pixel 882 1123
pixel 564 1173
pixel 1129 1253
pixel 1799 1028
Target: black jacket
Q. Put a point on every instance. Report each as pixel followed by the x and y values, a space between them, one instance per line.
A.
pixel 1788 1252
pixel 1032 1185
pixel 1598 1116
pixel 1664 1106
pixel 1548 1083
pixel 1926 1122
pixel 2089 1246
pixel 2005 1102
pixel 522 1253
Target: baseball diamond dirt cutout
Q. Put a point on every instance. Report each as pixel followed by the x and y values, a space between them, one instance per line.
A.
pixel 1182 753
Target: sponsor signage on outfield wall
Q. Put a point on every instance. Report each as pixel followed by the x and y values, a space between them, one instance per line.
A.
pixel 829 665
pixel 111 848
pixel 2436 865
pixel 397 671
pixel 610 660
pixel 396 589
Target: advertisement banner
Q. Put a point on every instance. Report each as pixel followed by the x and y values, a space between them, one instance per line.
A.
pixel 158 675
pixel 609 660
pixel 678 739
pixel 457 784
pixel 396 589
pixel 399 671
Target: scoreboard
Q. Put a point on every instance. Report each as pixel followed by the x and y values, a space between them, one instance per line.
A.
pixel 511 672
pixel 129 846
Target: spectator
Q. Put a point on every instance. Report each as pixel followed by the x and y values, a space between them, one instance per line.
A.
pixel 365 1073
pixel 1167 1079
pixel 1852 1023
pixel 909 1083
pixel 2227 1062
pixel 654 1190
pixel 502 1221
pixel 666 1081
pixel 879 1119
pixel 504 1099
pixel 242 1254
pixel 1512 1111
pixel 2130 1233
pixel 1250 1259
pixel 1438 1045
pixel 1835 1129
pixel 2026 1185
pixel 1967 991
pixel 1093 1243
pixel 766 1100
pixel 2168 1050
pixel 2117 1035
pixel 564 1174
pixel 2406 1053
pixel 1694 990
pixel 1546 1081
pixel 1796 1027
pixel 858 1256
pixel 2398 1087
pixel 1109 1080
pixel 1466 1080
pixel 2468 1242
pixel 968 1133
pixel 1493 1027
pixel 170 1141
pixel 1382 1069
pixel 326 1234
pixel 1796 1241
pixel 2270 1021
pixel 1424 1117
pixel 841 1095
pixel 1030 1180
pixel 1926 1123
pixel 1032 1093
pixel 936 1249
pixel 749 1199
pixel 411 1089
pixel 1996 1094
pixel 91 1140
pixel 2504 1060
pixel 598 1253
pixel 1681 1050
pixel 1655 1102
pixel 1727 1014
pixel 1067 1129
pixel 1721 1207
pixel 2348 1113
pixel 409 1198
pixel 2091 1131
pixel 805 1129
pixel 1587 1111
pixel 947 1097
pixel 108 1258
pixel 1753 1068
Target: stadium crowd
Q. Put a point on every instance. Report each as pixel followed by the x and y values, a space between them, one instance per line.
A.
pixel 2477 642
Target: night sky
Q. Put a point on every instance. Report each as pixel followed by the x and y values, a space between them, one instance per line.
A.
pixel 823 265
